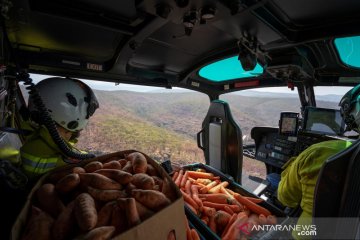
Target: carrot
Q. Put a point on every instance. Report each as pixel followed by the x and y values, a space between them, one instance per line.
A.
pixel 188 199
pixel 179 178
pixel 247 211
pixel 204 181
pixel 234 230
pixel 209 186
pixel 216 198
pixel 200 170
pixel 255 200
pixel 205 219
pixel 230 191
pixel 195 195
pixel 230 222
pixel 224 190
pixel 252 206
pixel 188 187
pixel 175 176
pixel 85 212
pixel 208 211
pixel 154 200
pixel 184 179
pixel 191 208
pixel 188 234
pixel 195 174
pixel 252 221
pixel 188 231
pixel 220 206
pixel 216 189
pixel 262 219
pixel 194 235
pixel 228 210
pixel 271 219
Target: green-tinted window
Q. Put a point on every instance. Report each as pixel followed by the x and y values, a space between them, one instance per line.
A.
pixel 228 69
pixel 349 50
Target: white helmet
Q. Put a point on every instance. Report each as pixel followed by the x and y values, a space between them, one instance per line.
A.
pixel 70 102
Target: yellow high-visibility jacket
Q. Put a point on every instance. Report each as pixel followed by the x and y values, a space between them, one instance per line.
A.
pixel 298 180
pixel 40 154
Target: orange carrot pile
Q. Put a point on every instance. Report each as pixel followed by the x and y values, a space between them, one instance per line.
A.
pixel 220 208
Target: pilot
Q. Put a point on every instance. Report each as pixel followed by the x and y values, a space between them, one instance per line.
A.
pixel 298 180
pixel 70 103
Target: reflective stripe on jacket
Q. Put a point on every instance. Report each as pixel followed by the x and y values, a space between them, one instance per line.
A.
pixel 40 154
pixel 298 180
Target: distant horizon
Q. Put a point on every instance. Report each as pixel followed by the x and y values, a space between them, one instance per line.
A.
pixel 110 86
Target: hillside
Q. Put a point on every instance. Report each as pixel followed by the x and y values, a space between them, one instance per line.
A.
pixel 164 125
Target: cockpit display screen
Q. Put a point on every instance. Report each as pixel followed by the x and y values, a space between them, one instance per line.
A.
pixel 289 123
pixel 323 121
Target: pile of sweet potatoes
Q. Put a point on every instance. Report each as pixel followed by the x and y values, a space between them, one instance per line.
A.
pixel 227 213
pixel 97 201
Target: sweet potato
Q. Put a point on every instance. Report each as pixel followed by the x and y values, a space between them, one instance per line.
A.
pixel 105 195
pixel 57 175
pixel 49 200
pixel 118 220
pixel 99 181
pixel 39 226
pixel 131 212
pixel 122 162
pixel 119 176
pixel 93 166
pixel 143 211
pixel 65 223
pixel 104 215
pixel 151 199
pixel 112 165
pixel 158 181
pixel 138 161
pixel 85 212
pixel 78 170
pixel 151 171
pixel 221 219
pixel 143 181
pixel 68 183
pixel 100 233
pixel 128 167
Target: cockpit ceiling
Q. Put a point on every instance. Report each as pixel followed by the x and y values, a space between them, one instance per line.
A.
pixel 165 43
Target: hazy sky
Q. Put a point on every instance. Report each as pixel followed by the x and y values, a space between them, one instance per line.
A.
pixel 99 85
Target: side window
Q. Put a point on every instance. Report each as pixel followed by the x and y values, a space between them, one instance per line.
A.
pixel 161 123
pixel 251 108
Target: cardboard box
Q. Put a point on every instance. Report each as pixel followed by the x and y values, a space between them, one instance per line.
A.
pixel 156 227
